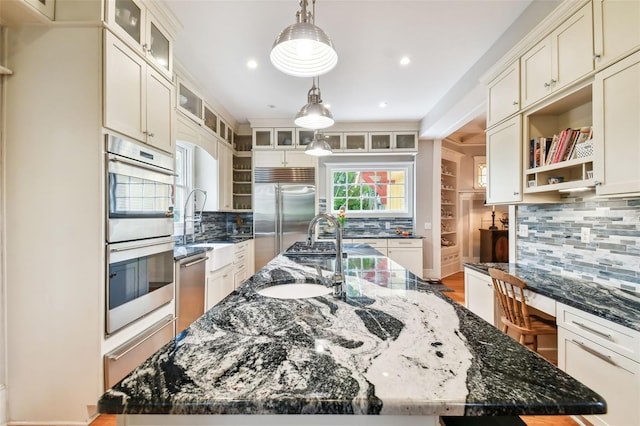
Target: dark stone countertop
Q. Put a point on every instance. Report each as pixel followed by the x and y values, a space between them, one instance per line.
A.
pixel 182 251
pixel 614 304
pixel 394 346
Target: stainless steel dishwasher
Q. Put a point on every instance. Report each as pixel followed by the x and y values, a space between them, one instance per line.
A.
pixel 190 286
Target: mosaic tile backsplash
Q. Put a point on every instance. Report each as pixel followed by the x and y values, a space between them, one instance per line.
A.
pixel 355 227
pixel 612 257
pixel 219 225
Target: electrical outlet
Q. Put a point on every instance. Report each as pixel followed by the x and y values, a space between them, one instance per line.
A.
pixel 427 225
pixel 523 231
pixel 387 225
pixel 585 235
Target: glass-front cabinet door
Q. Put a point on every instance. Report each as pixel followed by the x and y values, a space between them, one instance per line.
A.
pixel 210 119
pixel 305 137
pixel 263 138
pixel 355 142
pixel 405 141
pixel 159 46
pixel 137 26
pixel 285 138
pixel 189 102
pixel 334 140
pixel 379 141
pixel 127 15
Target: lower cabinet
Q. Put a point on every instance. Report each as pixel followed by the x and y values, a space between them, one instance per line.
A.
pixel 478 296
pixel 407 253
pixel 219 285
pixel 605 357
pixel 242 262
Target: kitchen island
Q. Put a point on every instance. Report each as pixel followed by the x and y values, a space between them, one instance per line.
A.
pixel 394 347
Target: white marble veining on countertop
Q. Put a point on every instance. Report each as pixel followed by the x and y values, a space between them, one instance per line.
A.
pixel 392 346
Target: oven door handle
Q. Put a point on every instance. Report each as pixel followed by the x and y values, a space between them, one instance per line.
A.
pixel 141 165
pixel 138 246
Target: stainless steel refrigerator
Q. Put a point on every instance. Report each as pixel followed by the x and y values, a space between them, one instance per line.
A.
pixel 283 205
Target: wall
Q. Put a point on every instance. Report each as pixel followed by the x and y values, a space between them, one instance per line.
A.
pixel 553 244
pixel 425 194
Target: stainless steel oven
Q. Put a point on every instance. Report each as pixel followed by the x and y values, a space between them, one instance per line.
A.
pixel 139 203
pixel 140 184
pixel 140 279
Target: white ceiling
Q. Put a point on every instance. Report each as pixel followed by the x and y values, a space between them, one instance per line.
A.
pixel 444 39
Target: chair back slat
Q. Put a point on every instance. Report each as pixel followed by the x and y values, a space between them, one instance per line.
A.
pixel 509 291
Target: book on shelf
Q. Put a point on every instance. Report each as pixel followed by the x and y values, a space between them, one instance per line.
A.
pixel 560 147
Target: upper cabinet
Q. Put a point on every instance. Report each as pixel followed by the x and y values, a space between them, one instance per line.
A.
pixel 576 125
pixel 560 59
pixel 616 108
pixel 137 99
pixel 616 25
pixel 504 172
pixel 137 25
pixel 503 97
pixel 345 142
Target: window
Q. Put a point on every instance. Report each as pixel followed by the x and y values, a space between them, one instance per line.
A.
pixel 480 170
pixel 183 185
pixel 371 190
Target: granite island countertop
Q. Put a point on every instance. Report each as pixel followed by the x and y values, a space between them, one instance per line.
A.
pixel 395 346
pixel 614 304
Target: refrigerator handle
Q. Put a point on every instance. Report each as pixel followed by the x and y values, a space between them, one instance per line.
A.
pixel 278 218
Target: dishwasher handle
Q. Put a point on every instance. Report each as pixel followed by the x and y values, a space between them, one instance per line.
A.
pixel 195 262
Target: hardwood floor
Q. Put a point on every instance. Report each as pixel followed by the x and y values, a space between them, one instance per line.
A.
pixel 456 283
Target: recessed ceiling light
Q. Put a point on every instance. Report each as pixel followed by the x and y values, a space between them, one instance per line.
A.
pixel 405 60
pixel 252 64
pixel 271 106
pixel 382 104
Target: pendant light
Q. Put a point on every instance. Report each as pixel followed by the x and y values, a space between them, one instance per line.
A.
pixel 303 49
pixel 314 115
pixel 318 147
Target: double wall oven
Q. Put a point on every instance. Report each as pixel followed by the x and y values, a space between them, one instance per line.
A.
pixel 140 264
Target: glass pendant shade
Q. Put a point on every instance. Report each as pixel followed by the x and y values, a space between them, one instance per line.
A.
pixel 318 146
pixel 303 49
pixel 314 115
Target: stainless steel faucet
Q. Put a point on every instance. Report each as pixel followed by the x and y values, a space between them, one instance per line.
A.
pixel 197 216
pixel 338 276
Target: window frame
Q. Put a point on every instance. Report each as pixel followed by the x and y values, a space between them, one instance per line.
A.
pixel 187 155
pixel 407 166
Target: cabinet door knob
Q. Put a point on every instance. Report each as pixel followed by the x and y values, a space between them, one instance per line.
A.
pixel 150 134
pixel 597 56
pixel 516 193
pixel 597 183
pixel 515 103
pixel 549 84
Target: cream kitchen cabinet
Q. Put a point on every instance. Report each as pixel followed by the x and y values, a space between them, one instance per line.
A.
pixel 479 297
pixel 283 158
pixel 242 262
pixel 356 142
pixel 225 176
pixel 604 356
pixel 379 244
pixel 616 31
pixel 219 285
pixel 504 162
pixel 408 253
pixel 560 59
pixel 392 141
pixel 616 108
pixel 133 22
pixel 137 99
pixel 503 95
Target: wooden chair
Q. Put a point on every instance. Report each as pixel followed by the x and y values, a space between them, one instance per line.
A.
pixel 514 312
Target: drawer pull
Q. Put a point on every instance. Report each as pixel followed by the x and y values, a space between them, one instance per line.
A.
pixel 598 332
pixel 606 358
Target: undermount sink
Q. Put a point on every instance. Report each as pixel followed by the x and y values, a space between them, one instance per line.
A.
pixel 222 254
pixel 295 290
